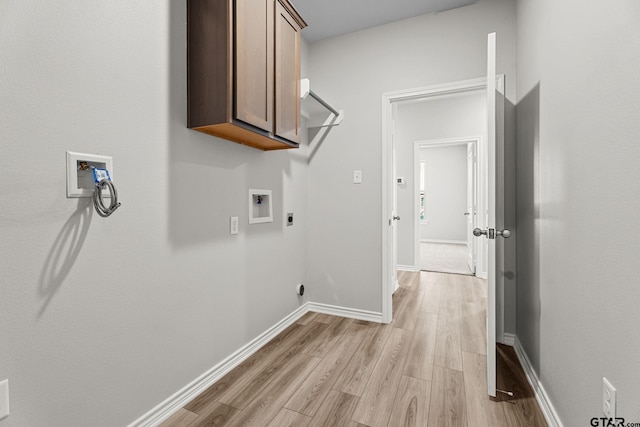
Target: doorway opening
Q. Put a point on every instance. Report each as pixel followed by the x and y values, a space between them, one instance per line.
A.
pixel 409 105
pixel 489 155
pixel 446 205
pixel 393 190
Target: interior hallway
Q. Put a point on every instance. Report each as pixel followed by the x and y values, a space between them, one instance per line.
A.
pixel 426 368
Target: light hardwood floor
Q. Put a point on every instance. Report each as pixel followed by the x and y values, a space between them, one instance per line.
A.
pixel 427 368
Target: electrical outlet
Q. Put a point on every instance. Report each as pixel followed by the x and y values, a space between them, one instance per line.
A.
pixel 608 399
pixel 233 225
pixel 4 399
pixel 357 177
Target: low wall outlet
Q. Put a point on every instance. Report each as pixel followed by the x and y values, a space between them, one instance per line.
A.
pixel 357 177
pixel 4 399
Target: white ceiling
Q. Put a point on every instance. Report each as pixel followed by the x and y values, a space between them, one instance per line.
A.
pixel 329 18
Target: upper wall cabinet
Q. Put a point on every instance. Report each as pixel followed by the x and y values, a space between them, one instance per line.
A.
pixel 243 71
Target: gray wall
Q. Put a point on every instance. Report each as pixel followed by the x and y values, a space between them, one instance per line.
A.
pixel 102 319
pixel 578 184
pixel 461 115
pixel 352 71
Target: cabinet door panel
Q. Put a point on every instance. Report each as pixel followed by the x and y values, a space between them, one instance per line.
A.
pixel 254 63
pixel 287 77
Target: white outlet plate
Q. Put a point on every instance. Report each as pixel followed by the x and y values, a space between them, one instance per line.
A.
pixel 76 185
pixel 4 399
pixel 233 225
pixel 608 399
pixel 357 177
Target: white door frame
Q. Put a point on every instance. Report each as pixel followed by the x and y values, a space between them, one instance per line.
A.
pixel 388 99
pixel 474 141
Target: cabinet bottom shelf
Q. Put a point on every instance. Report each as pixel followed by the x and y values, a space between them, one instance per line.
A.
pixel 235 133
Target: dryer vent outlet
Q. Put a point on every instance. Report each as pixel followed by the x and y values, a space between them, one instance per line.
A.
pixel 300 289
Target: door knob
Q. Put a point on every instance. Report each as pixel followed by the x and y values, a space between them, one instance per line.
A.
pixel 467 214
pixel 491 233
pixel 504 233
pixel 396 218
pixel 477 232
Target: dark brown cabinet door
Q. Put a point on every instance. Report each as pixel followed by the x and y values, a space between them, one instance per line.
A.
pixel 287 75
pixel 242 86
pixel 254 63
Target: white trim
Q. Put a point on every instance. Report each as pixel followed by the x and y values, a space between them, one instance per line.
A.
pixel 189 392
pixel 352 313
pixel 542 397
pixel 387 288
pixel 508 339
pixel 437 90
pixel 448 242
pixel 411 268
pixel 446 142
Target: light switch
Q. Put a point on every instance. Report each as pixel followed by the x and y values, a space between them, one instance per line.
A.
pixel 233 225
pixel 357 177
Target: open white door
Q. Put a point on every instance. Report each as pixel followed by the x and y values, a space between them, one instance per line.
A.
pixel 495 207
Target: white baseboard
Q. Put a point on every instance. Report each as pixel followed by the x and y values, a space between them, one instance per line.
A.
pixel 508 339
pixel 542 397
pixel 352 313
pixel 189 392
pixel 411 268
pixel 171 405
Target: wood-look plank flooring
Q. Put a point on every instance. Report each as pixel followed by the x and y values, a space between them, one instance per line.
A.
pixel 426 368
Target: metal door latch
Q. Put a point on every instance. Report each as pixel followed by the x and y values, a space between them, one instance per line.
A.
pixel 491 233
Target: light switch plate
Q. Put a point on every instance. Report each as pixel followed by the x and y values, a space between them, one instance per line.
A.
pixel 233 225
pixel 4 399
pixel 357 177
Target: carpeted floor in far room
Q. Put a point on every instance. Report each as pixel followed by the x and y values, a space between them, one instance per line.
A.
pixel 444 258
